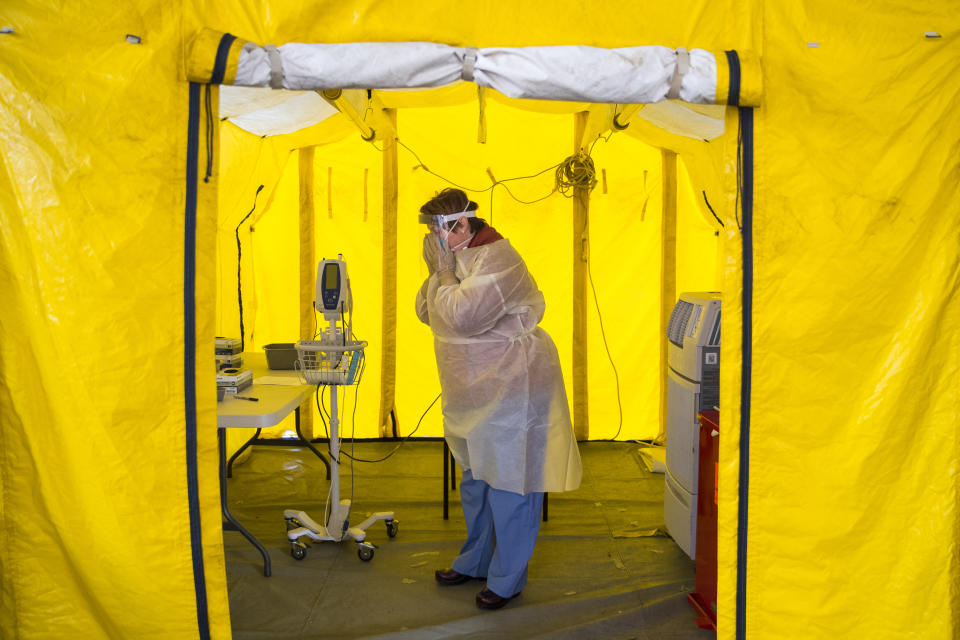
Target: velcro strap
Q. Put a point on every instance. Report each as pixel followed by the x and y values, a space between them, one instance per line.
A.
pixel 276 66
pixel 683 65
pixel 469 62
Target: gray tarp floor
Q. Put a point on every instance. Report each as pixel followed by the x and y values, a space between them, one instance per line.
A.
pixel 594 574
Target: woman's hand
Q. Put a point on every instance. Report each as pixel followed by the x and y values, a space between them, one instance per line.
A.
pixel 430 251
pixel 446 261
pixel 438 256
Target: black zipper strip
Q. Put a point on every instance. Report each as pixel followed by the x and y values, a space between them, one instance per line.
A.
pixel 189 358
pixel 733 93
pixel 220 63
pixel 746 128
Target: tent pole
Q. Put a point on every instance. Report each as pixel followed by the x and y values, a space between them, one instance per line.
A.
pixel 337 98
pixel 373 121
pixel 307 265
pixel 668 267
pixel 388 338
pixel 581 208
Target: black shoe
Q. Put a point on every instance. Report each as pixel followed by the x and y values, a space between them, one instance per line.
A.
pixel 487 599
pixel 448 577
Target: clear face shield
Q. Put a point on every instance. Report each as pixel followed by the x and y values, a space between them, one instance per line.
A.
pixel 439 225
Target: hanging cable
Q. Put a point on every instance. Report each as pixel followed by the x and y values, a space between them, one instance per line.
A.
pixel 239 283
pixel 395 422
pixel 403 440
pixel 576 172
pixel 736 203
pixel 325 416
pixel 321 409
pixel 711 208
pixel 606 346
pixel 208 102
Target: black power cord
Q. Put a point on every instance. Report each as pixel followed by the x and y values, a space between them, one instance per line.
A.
pixel 323 413
pixel 239 286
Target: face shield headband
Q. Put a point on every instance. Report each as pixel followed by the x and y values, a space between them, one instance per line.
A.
pixel 441 220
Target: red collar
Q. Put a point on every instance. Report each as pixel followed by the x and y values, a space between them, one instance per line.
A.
pixel 486 235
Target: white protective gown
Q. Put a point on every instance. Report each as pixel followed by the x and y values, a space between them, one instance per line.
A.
pixel 504 405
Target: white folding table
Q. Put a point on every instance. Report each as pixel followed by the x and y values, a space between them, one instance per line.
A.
pixel 273 404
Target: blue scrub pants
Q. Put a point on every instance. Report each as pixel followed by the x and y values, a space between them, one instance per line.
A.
pixel 502 529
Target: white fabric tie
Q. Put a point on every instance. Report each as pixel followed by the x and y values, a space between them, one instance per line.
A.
pixel 469 62
pixel 276 66
pixel 683 65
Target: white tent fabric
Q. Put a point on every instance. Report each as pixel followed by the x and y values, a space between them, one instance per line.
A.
pixel 267 112
pixel 270 113
pixel 631 75
pixel 704 123
pixel 238 101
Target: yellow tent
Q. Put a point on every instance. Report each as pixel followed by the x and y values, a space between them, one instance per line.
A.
pixel 824 208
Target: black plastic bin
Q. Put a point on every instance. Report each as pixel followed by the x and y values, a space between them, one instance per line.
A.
pixel 281 355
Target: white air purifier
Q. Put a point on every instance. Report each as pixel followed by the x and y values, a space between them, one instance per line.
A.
pixel 693 385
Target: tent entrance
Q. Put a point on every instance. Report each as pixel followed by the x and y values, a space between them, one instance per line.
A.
pixel 587 127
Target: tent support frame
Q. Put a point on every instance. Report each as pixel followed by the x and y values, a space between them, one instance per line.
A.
pixel 581 239
pixel 668 268
pixel 307 222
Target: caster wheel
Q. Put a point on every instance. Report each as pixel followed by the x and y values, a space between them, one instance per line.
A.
pixel 392 527
pixel 365 553
pixel 298 551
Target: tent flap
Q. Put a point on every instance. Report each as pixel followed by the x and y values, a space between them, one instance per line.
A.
pixel 627 75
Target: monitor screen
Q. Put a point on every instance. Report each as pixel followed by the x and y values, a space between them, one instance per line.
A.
pixel 330 273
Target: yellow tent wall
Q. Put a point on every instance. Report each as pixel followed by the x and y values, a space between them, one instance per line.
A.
pixel 101 433
pixel 839 501
pixel 852 517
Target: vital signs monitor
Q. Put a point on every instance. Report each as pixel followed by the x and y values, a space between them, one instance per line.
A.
pixel 333 289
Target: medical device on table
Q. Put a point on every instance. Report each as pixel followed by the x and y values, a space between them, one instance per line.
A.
pixel 333 360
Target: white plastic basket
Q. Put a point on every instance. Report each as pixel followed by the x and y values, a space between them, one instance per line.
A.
pixel 323 363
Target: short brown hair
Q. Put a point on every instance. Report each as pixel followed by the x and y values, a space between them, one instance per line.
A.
pixel 451 200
